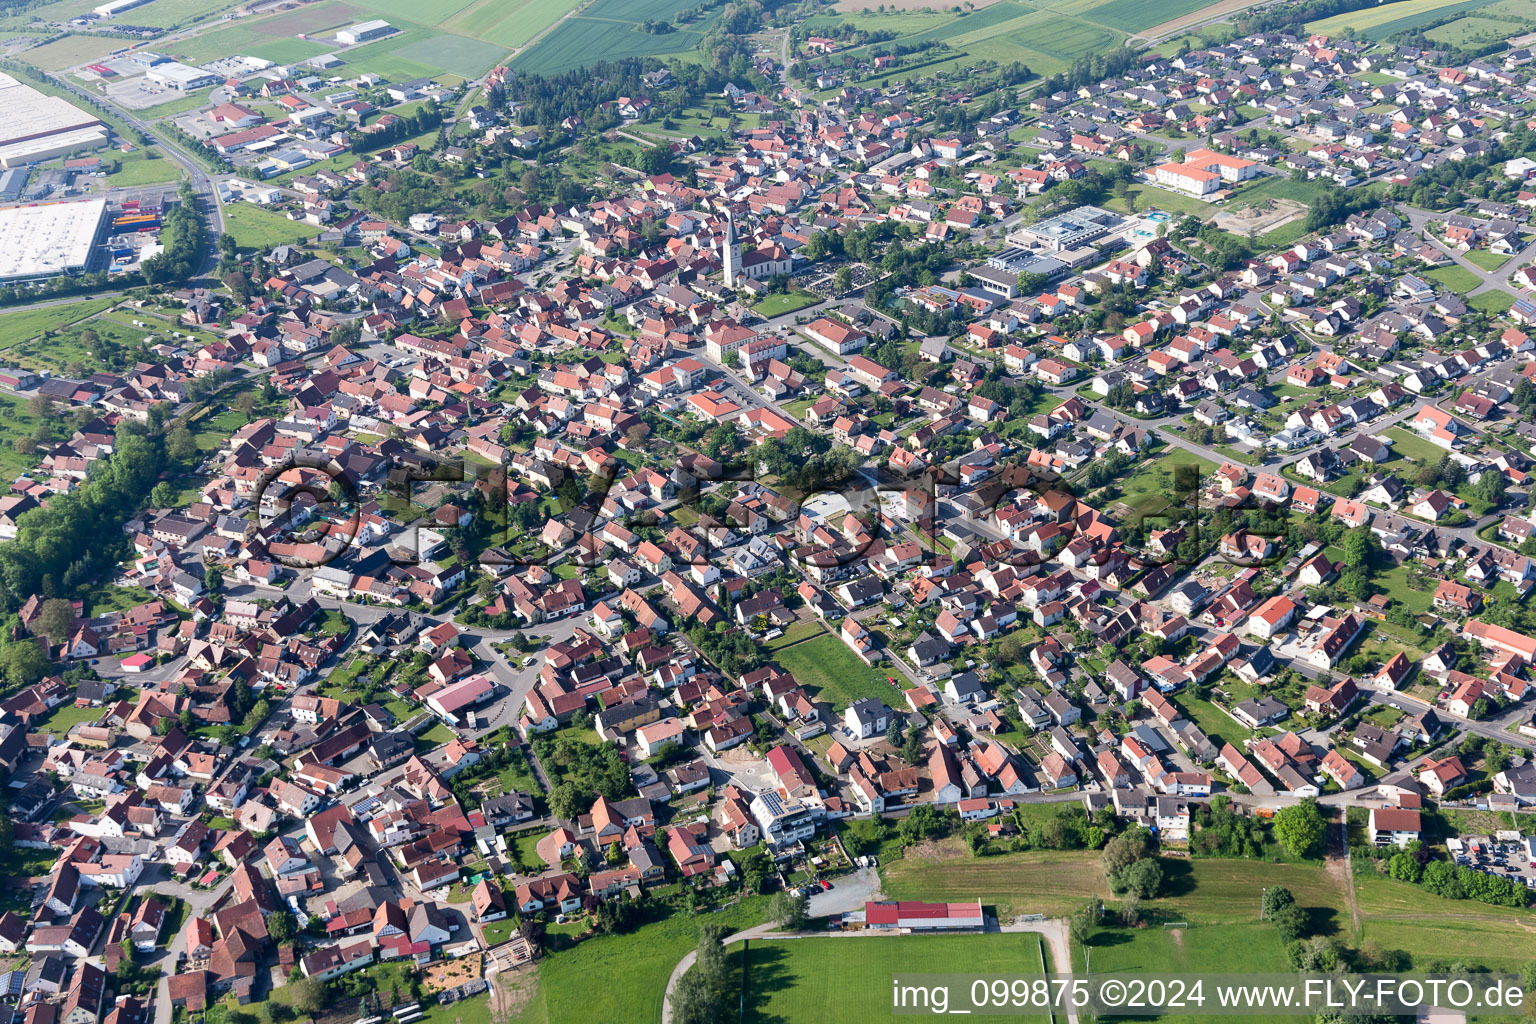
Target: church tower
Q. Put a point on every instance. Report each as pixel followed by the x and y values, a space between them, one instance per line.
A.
pixel 732 253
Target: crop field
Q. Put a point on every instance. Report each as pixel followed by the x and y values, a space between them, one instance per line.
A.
pixel 1475 29
pixel 608 30
pixel 422 48
pixel 1375 23
pixel 1135 15
pixel 1047 36
pixel 805 981
pixel 1035 882
pixel 510 23
pixel 459 55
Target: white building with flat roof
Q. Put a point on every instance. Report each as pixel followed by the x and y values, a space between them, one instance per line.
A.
pixel 49 239
pixel 115 7
pixel 36 127
pixel 173 74
pixel 364 31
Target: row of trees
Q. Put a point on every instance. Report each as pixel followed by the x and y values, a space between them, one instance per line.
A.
pixel 183 239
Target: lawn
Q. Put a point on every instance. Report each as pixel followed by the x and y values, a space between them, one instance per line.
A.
pixel 785 302
pixel 255 228
pixel 1411 445
pixel 1457 279
pixel 137 168
pixel 1149 488
pixel 1494 301
pixel 828 669
pixel 1217 725
pixel 1150 197
pixel 16 422
pixel 436 736
pixel 806 981
pixel 106 598
pixel 65 717
pixel 795 633
pixel 633 969
pixel 1485 259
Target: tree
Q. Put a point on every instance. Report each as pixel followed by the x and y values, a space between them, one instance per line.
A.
pixel 23 662
pixel 790 910
pixel 55 619
pixel 1291 922
pixel 309 995
pixel 1276 898
pixel 282 927
pixel 1301 828
pixel 1124 850
pixel 1143 878
pixel 1405 868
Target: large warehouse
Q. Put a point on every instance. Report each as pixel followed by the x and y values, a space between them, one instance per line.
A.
pixel 36 127
pixel 49 239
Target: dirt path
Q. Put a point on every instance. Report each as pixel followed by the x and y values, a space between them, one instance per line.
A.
pixel 1194 19
pixel 1338 866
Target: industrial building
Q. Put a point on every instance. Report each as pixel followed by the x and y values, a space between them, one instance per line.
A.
pixel 173 74
pixel 363 32
pixel 49 239
pixel 115 7
pixel 36 127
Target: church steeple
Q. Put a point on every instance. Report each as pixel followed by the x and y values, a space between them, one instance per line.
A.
pixel 732 252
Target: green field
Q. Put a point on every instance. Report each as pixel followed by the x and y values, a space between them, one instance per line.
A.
pixel 1207 891
pixel 827 668
pixel 1456 278
pixel 468 58
pixel 1135 15
pixel 1377 23
pixel 804 981
pixel 29 323
pixel 511 24
pixel 620 979
pixel 255 228
pixel 1493 301
pixel 137 168
pixel 582 40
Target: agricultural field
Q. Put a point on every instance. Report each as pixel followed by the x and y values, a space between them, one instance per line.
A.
pixel 1047 37
pixel 801 981
pixel 1136 15
pixel 609 30
pixel 422 48
pixel 828 669
pixel 510 24
pixel 1377 23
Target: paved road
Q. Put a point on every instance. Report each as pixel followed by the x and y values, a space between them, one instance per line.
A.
pixel 1491 280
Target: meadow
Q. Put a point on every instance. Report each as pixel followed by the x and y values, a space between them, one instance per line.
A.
pixel 827 668
pixel 255 228
pixel 801 981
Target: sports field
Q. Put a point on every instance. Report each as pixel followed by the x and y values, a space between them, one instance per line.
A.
pixel 807 981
